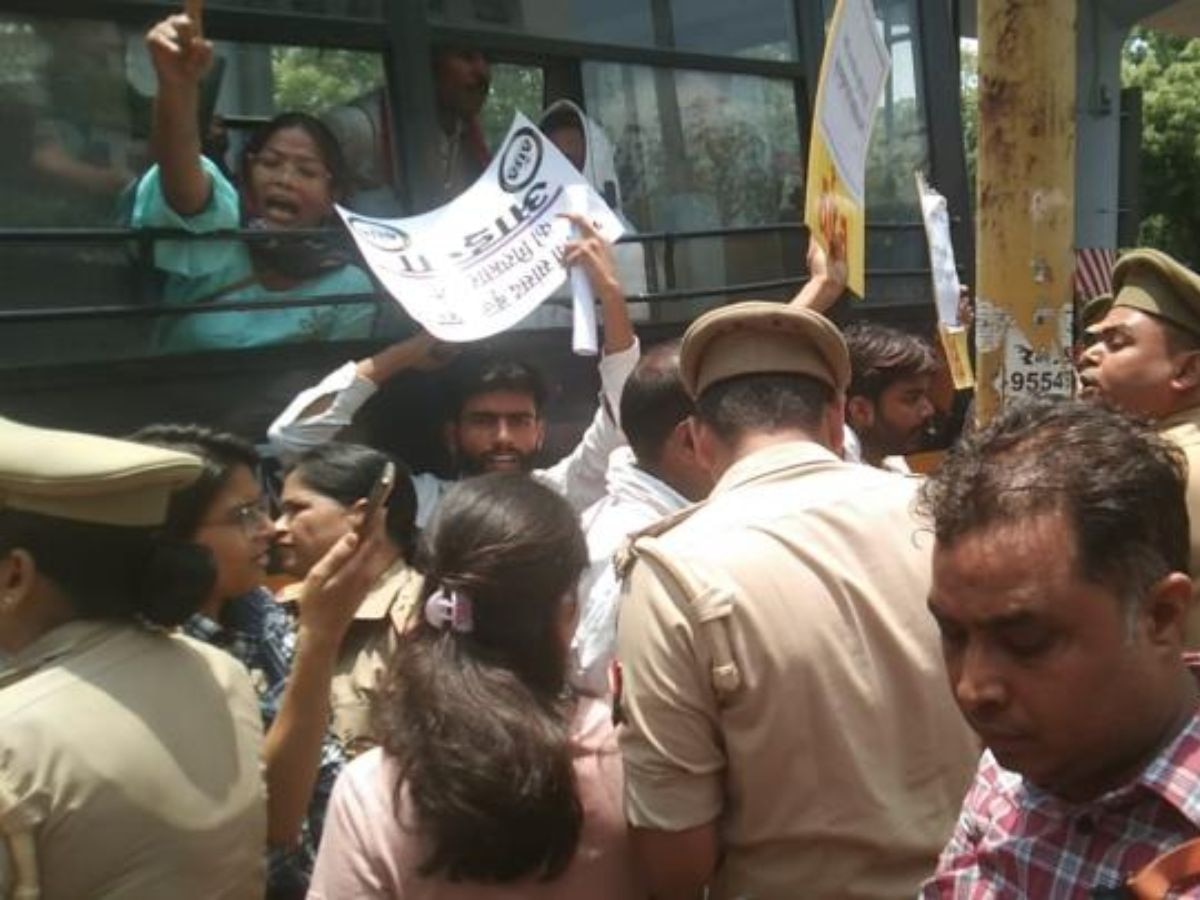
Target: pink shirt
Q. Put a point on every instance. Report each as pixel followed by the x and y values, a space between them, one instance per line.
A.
pixel 365 853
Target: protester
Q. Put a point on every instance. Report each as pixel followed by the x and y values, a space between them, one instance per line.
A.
pixel 656 475
pixel 292 665
pixel 1145 360
pixel 1060 588
pixel 786 734
pixel 129 756
pixel 888 407
pixel 493 780
pixel 325 498
pixel 291 171
pixel 496 423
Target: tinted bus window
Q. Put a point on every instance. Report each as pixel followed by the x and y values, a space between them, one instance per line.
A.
pixel 762 29
pixel 899 143
pixel 77 104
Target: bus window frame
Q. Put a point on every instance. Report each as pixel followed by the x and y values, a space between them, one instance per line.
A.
pixel 406 43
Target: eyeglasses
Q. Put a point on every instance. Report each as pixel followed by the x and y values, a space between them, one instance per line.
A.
pixel 302 169
pixel 251 518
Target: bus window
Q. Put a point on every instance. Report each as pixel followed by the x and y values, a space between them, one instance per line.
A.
pixel 899 143
pixel 703 151
pixel 79 113
pixel 762 29
pixel 899 147
pixel 515 88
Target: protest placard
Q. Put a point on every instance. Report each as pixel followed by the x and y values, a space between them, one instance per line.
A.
pixel 946 287
pixel 853 72
pixel 481 263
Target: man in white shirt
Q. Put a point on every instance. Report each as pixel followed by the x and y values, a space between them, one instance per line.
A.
pixel 497 423
pixel 656 475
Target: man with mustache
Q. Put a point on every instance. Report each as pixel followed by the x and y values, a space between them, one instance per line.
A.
pixel 1060 589
pixel 888 408
pixel 496 424
pixel 1144 360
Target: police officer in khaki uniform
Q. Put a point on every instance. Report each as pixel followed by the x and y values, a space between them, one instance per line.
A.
pixel 129 756
pixel 1145 360
pixel 367 651
pixel 788 732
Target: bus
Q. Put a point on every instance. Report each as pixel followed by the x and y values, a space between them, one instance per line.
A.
pixel 705 104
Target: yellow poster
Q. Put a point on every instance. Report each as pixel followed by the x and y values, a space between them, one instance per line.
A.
pixel 853 72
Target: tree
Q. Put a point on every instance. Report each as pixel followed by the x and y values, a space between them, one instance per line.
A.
pixel 1167 69
pixel 969 104
pixel 312 79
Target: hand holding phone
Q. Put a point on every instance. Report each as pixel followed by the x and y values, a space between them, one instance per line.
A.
pixel 380 491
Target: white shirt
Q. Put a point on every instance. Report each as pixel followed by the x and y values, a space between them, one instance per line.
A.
pixel 578 476
pixel 635 500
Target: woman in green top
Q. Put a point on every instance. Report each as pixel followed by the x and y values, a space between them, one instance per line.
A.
pixel 291 173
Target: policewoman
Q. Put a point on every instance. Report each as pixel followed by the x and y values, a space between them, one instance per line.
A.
pixel 129 755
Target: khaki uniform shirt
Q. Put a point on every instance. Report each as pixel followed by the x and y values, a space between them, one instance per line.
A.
pixel 798 697
pixel 366 651
pixel 1183 429
pixel 130 768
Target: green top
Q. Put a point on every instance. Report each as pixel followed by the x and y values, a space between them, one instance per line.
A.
pixel 220 272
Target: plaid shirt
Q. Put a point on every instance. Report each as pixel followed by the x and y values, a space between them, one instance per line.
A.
pixel 1015 841
pixel 260 634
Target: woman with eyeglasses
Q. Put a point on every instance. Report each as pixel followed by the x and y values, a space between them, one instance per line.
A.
pixel 290 174
pixel 493 779
pixel 224 511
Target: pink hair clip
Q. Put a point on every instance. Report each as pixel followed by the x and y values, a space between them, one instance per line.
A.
pixel 449 610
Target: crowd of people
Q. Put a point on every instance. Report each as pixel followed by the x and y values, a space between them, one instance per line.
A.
pixel 728 646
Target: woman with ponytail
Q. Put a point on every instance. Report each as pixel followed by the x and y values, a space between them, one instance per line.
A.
pixel 493 780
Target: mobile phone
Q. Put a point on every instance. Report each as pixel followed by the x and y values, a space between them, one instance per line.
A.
pixel 380 491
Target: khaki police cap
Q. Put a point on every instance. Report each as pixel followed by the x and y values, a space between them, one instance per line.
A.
pixel 1151 281
pixel 759 337
pixel 1094 310
pixel 86 478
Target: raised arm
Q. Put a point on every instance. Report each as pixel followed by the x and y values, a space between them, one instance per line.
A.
pixel 826 282
pixel 181 58
pixel 317 414
pixel 595 255
pixel 580 475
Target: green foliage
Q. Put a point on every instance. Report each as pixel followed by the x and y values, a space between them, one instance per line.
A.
pixel 969 104
pixel 312 79
pixel 513 88
pixel 1167 69
pixel 898 148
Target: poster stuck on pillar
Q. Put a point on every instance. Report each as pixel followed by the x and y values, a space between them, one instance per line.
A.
pixel 853 72
pixel 481 263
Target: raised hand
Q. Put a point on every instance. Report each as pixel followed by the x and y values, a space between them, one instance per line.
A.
pixel 181 55
pixel 591 251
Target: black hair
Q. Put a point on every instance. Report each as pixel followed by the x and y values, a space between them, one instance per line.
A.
pixel 327 145
pixel 1120 486
pixel 880 356
pixel 766 402
pixel 220 452
pixel 653 402
pixel 478 720
pixel 347 473
pixel 485 374
pixel 113 572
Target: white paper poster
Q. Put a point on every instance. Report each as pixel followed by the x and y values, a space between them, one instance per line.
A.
pixel 481 263
pixel 858 62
